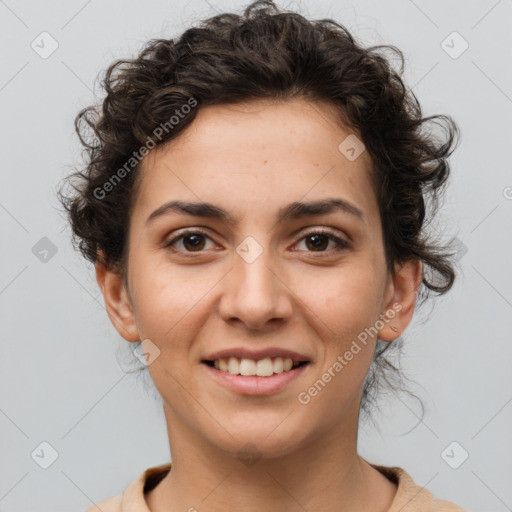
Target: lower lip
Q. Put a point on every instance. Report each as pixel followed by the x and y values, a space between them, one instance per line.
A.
pixel 254 385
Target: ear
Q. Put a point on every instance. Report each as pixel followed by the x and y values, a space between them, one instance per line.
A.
pixel 400 299
pixel 117 301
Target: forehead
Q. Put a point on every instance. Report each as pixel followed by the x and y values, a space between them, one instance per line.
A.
pixel 257 156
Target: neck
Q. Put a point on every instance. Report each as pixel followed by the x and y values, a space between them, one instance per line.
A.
pixel 326 474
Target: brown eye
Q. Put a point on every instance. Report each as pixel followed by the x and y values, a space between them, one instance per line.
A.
pixel 318 241
pixel 315 241
pixel 195 242
pixel 192 241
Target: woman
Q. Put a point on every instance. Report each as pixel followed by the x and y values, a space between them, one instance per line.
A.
pixel 254 203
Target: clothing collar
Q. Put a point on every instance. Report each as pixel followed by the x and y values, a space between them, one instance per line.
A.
pixel 409 497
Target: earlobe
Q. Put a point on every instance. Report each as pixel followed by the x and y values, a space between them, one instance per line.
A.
pixel 399 309
pixel 117 301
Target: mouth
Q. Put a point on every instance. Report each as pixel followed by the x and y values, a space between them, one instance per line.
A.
pixel 256 377
pixel 245 367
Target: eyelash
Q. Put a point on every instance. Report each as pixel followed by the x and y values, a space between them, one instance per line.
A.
pixel 342 244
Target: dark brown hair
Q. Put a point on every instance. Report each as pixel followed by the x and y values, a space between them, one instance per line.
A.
pixel 267 53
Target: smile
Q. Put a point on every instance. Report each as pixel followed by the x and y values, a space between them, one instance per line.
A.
pixel 261 377
pixel 249 367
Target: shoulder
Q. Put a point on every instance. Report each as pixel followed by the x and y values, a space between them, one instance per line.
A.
pixel 410 497
pixel 109 505
pixel 445 506
pixel 133 496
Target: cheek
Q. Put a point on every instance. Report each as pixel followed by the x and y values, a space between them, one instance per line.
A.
pixel 346 301
pixel 164 298
pixel 345 308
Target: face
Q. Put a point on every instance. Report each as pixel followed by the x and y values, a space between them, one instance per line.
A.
pixel 254 278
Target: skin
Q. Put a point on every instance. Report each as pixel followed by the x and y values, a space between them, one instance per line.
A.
pixel 252 159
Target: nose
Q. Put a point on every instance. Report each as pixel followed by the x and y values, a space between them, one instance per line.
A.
pixel 255 294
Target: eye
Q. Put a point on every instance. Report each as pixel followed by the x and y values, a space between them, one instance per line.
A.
pixel 319 238
pixel 193 240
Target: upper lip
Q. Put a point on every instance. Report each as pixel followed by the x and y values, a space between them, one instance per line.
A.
pixel 245 353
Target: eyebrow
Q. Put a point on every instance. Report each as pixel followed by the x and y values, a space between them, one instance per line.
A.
pixel 292 211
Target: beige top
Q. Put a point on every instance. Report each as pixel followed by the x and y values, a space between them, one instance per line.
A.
pixel 409 497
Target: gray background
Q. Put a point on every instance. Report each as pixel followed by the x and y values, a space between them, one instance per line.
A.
pixel 62 378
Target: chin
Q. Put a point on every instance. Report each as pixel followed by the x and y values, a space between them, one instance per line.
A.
pixel 261 436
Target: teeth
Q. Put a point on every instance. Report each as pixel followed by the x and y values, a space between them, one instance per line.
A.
pixel 233 366
pixel 262 368
pixel 278 365
pixel 247 367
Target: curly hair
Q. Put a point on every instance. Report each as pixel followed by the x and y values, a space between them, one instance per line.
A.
pixel 267 53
